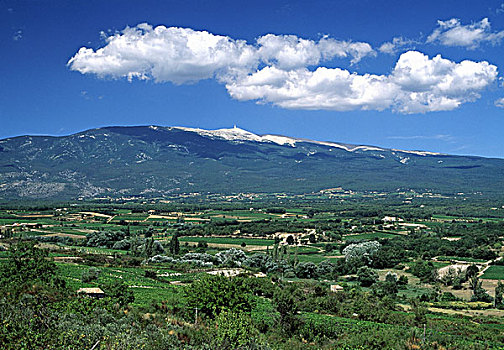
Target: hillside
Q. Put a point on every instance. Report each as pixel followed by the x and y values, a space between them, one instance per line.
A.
pixel 152 161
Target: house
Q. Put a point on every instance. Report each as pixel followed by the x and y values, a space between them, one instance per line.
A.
pixel 336 288
pixel 391 219
pixel 92 292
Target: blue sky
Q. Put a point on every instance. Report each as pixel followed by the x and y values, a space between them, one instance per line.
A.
pixel 400 74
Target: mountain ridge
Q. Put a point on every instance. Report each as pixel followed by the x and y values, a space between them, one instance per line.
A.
pixel 158 161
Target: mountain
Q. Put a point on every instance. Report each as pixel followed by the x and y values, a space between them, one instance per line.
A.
pixel 155 161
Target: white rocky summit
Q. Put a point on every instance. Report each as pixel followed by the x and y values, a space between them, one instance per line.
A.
pixel 238 134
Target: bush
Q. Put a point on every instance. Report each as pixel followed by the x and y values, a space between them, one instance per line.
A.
pixel 366 276
pixel 213 294
pixel 90 275
pixel 232 331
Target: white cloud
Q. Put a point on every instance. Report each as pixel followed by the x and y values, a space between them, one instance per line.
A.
pixel 398 43
pixel 441 137
pixel 18 35
pixel 417 84
pixel 178 55
pixel 285 70
pixel 290 51
pixel 453 33
pixel 182 55
pixel 500 102
pixel 325 88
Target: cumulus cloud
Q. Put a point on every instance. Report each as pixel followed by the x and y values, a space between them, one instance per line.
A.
pixel 182 55
pixel 290 51
pixel 500 102
pixel 286 70
pixel 178 55
pixel 417 84
pixel 453 33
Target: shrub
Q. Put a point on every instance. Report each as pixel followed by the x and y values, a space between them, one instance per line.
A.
pixel 213 294
pixel 90 275
pixel 366 276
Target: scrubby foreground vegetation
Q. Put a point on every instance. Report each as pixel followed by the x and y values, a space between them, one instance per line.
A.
pixel 227 276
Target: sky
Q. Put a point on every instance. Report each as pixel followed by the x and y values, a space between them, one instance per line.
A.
pixel 414 75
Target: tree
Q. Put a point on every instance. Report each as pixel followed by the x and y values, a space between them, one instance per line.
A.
pixel 472 271
pixel 119 293
pixel 360 254
pixel 285 301
pixel 479 293
pixel 90 274
pixel 174 245
pixel 306 270
pixel 424 270
pixel 214 294
pixel 27 268
pixel 233 331
pixel 499 295
pixel 420 312
pixel 290 240
pixel 150 232
pixel 366 276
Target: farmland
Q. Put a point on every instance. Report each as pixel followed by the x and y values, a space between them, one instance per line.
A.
pixel 387 270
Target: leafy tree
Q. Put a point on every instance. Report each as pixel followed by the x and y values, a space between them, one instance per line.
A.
pixel 472 271
pixel 424 270
pixel 214 294
pixel 479 293
pixel 90 274
pixel 174 245
pixel 233 330
pixel 27 268
pixel 285 301
pixel 306 270
pixel 359 254
pixel 119 293
pixel 420 312
pixel 231 257
pixel 366 276
pixel 402 281
pixel 499 295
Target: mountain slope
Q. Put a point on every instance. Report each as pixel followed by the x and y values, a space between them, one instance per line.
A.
pixel 153 161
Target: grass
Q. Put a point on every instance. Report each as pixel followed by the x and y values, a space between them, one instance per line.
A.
pixel 314 258
pixel 229 240
pixel 494 272
pixel 448 258
pixel 146 290
pixel 372 235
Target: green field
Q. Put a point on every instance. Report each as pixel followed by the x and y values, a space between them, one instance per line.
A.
pixel 315 258
pixel 494 272
pixel 372 235
pixel 472 260
pixel 229 240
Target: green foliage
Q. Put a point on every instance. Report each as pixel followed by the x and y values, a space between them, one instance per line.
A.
pixel 119 293
pixel 424 270
pixel 233 330
pixel 213 294
pixel 361 254
pixel 366 276
pixel 90 275
pixel 28 270
pixel 285 301
pixel 499 295
pixel 174 245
